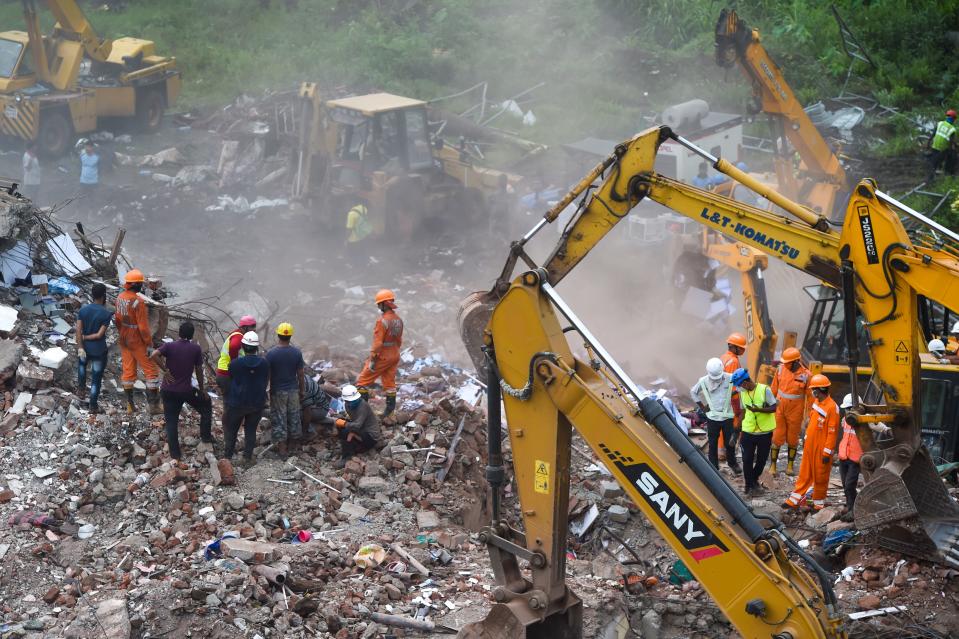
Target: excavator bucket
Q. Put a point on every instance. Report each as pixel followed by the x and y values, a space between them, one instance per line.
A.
pixel 911 513
pixel 474 314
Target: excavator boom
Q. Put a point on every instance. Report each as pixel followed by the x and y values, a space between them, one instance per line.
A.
pixel 524 350
pixel 825 179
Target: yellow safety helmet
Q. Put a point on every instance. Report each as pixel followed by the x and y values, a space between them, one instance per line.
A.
pixel 285 330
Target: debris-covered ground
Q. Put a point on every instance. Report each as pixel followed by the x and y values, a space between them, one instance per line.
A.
pixel 101 534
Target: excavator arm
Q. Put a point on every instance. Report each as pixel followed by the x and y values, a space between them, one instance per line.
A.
pixel 523 350
pixel 736 43
pixel 73 24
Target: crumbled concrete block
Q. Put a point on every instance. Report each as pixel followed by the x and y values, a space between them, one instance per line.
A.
pixel 33 377
pixel 427 519
pixel 610 489
pixel 619 514
pixel 372 485
pixel 114 619
pixel 353 511
pixel 53 357
pixel 253 552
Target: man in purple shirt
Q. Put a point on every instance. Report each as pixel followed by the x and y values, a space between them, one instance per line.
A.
pixel 179 361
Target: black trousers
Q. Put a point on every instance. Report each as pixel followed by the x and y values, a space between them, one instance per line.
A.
pixel 248 418
pixel 172 405
pixel 713 429
pixel 357 446
pixel 755 454
pixel 849 472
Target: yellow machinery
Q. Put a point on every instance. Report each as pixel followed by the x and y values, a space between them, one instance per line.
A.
pixel 516 333
pixel 749 262
pixel 55 86
pixel 377 149
pixel 823 184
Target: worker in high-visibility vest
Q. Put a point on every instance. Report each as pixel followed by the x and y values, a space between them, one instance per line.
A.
pixel 942 146
pixel 792 401
pixel 759 422
pixel 136 340
pixel 818 447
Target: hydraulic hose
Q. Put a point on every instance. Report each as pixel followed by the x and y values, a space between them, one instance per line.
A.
pixel 495 475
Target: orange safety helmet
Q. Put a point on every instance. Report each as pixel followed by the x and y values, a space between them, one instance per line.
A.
pixel 385 295
pixel 791 354
pixel 133 276
pixel 819 381
pixel 737 339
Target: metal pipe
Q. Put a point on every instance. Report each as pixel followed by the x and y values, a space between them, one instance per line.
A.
pixel 891 201
pixel 495 474
pixel 728 168
pixel 533 231
pixel 654 413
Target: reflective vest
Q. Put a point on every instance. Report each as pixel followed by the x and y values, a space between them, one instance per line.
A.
pixel 754 422
pixel 357 221
pixel 849 448
pixel 943 136
pixel 223 364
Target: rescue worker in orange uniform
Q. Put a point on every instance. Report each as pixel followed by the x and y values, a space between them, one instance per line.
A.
pixel 792 396
pixel 735 346
pixel 818 448
pixel 135 341
pixel 385 352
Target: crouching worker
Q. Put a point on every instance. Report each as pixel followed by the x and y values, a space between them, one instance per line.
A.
pixel 316 405
pixel 361 431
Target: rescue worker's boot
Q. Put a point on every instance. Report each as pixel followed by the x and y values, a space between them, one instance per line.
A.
pixel 153 397
pixel 390 404
pixel 773 458
pixel 131 407
pixel 790 466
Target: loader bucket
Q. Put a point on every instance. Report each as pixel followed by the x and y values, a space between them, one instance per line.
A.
pixel 515 621
pixel 911 513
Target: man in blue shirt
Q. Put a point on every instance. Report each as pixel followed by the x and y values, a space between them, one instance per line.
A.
pixel 91 329
pixel 286 390
pixel 181 360
pixel 249 377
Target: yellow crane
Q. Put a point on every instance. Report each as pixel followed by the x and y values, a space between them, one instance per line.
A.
pixel 517 334
pixel 58 85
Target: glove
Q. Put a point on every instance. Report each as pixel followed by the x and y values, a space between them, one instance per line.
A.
pixel 826 459
pixel 340 423
pixel 81 355
pixel 372 365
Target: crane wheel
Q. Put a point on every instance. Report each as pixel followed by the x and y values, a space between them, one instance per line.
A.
pixel 150 107
pixel 55 134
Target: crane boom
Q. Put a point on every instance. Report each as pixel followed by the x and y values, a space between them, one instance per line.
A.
pixel 73 24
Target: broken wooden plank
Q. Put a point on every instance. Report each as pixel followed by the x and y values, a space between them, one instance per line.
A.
pixel 410 559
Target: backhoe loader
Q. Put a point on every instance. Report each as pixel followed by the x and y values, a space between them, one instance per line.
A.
pixel 55 86
pixel 517 335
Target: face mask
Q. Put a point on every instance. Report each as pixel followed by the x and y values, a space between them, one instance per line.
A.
pixel 352 405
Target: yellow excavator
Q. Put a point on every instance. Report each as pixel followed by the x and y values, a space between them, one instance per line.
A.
pixel 55 86
pixel 821 182
pixel 517 335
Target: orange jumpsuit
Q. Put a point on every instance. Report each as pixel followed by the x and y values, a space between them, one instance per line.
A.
pixel 792 397
pixel 385 353
pixel 820 438
pixel 135 338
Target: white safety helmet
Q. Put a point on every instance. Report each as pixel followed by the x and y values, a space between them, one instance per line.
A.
pixel 955 328
pixel 714 368
pixel 936 347
pixel 250 338
pixel 350 393
pixel 847 401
